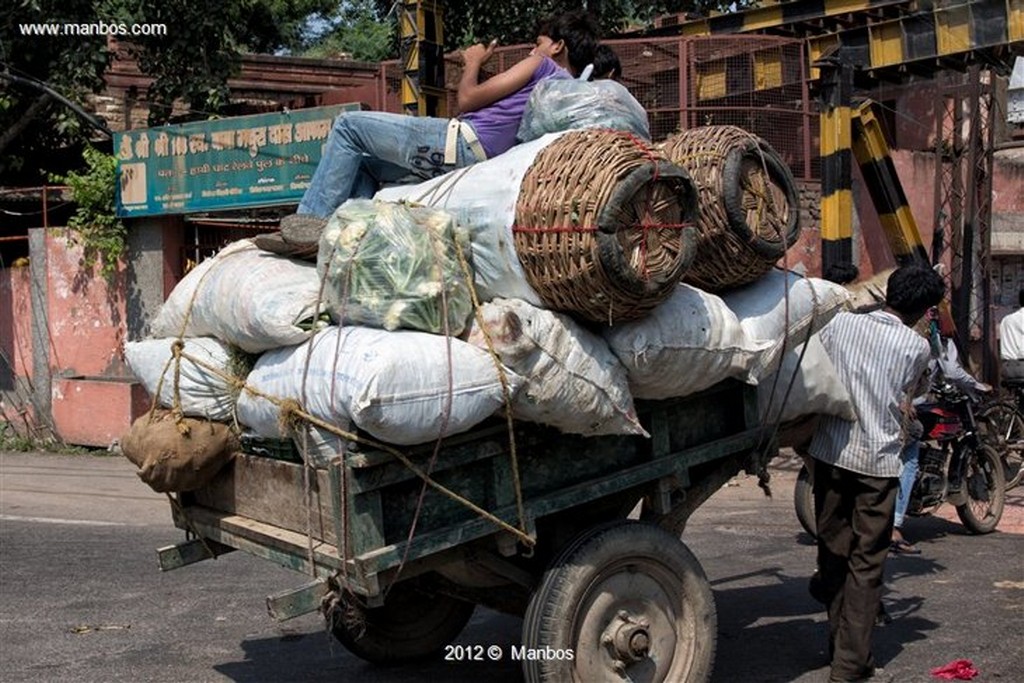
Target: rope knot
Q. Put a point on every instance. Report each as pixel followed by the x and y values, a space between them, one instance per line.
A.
pixel 291 416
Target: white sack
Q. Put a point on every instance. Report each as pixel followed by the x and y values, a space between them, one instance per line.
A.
pixel 573 382
pixel 319 445
pixel 816 389
pixel 483 197
pixel 688 343
pixel 558 104
pixel 781 310
pixel 202 393
pixel 393 385
pixel 245 296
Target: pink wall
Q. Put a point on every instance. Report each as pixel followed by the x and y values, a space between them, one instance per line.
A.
pixel 85 328
pixel 86 316
pixel 16 319
pixel 1008 184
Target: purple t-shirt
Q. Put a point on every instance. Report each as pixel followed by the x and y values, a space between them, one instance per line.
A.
pixel 497 123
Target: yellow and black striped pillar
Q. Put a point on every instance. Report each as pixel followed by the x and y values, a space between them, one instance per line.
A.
pixel 883 184
pixel 422 47
pixel 836 157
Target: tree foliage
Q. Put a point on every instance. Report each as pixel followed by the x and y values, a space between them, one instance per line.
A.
pixel 192 62
pixel 515 21
pixel 94 227
pixel 200 51
pixel 30 122
pixel 357 30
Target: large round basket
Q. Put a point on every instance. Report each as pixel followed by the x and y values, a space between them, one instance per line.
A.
pixel 603 225
pixel 749 207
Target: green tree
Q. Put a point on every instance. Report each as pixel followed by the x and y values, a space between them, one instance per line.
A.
pixel 204 40
pixel 514 21
pixel 94 227
pixel 31 122
pixel 192 62
pixel 357 29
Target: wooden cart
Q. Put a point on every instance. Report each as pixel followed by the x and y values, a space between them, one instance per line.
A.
pixel 603 596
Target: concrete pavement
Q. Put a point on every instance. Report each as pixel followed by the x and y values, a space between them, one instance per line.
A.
pixel 82 599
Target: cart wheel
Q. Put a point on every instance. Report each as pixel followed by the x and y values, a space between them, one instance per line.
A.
pixel 411 624
pixel 623 601
pixel 803 502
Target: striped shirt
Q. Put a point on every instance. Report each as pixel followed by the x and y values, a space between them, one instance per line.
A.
pixel 881 362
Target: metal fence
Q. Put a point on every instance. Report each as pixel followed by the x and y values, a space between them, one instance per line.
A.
pixel 758 83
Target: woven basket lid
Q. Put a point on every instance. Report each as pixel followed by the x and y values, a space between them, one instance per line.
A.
pixel 749 206
pixel 603 225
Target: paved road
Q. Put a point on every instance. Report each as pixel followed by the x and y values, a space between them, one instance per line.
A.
pixel 81 598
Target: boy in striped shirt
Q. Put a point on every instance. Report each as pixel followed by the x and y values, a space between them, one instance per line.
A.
pixel 883 363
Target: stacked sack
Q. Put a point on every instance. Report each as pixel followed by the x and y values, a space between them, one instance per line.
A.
pixel 546 283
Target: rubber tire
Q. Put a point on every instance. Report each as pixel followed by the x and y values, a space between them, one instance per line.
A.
pixel 803 502
pixel 984 462
pixel 732 198
pixel 552 617
pixel 411 625
pixel 992 422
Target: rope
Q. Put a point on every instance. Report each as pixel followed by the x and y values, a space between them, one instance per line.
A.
pixel 506 391
pixel 445 414
pixel 495 358
pixel 343 543
pixel 292 412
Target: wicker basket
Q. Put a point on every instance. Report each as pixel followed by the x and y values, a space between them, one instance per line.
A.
pixel 749 207
pixel 602 225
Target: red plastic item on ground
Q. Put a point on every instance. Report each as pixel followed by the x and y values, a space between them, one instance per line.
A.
pixel 957 670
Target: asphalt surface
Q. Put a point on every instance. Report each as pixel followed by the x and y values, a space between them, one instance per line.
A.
pixel 81 598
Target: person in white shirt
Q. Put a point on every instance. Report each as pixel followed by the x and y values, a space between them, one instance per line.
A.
pixel 1011 342
pixel 882 363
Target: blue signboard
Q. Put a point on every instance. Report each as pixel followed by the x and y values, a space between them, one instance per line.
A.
pixel 234 163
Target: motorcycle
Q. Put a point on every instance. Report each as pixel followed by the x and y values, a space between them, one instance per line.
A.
pixel 955 465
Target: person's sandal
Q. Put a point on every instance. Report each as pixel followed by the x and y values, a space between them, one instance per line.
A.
pixel 302 229
pixel 902 547
pixel 275 244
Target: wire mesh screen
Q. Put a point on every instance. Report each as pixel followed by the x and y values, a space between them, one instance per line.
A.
pixel 204 239
pixel 755 82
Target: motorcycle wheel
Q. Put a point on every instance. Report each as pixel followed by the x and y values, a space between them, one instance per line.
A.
pixel 985 489
pixel 1003 426
pixel 803 502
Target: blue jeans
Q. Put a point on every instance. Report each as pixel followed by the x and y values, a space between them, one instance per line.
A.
pixel 908 474
pixel 367 149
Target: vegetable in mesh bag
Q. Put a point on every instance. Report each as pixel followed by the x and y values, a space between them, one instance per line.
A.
pixel 394 266
pixel 558 104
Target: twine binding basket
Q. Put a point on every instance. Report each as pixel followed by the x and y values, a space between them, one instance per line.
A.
pixel 603 225
pixel 749 207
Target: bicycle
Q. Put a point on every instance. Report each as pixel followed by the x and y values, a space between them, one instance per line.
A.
pixel 1002 424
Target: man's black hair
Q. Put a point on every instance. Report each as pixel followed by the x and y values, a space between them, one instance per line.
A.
pixel 913 289
pixel 841 273
pixel 1020 298
pixel 580 32
pixel 606 63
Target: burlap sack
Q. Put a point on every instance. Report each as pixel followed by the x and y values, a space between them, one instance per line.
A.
pixel 173 457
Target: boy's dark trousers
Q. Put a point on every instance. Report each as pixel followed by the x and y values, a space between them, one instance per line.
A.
pixel 854 523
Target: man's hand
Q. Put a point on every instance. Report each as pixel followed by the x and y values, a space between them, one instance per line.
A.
pixel 479 54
